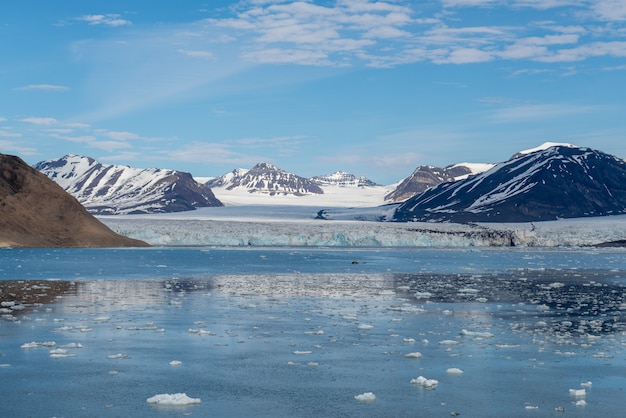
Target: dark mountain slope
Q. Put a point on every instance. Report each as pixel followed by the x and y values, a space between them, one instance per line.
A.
pixel 557 182
pixel 36 212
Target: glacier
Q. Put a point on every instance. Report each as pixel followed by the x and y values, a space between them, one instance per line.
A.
pixel 352 227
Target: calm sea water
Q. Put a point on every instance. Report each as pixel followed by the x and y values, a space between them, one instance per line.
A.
pixel 301 332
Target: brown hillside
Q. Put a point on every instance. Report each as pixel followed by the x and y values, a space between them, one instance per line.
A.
pixel 36 212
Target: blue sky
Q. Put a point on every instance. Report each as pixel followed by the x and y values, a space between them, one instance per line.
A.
pixel 374 88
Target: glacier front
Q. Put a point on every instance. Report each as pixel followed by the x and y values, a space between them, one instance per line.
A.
pixel 298 226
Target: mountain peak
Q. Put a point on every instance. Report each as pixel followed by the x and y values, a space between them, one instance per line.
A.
pixel 556 182
pixel 265 178
pixel 106 189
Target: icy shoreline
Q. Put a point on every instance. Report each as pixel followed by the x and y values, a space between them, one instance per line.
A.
pixel 291 226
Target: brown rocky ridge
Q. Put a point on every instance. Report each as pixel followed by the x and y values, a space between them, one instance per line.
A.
pixel 36 212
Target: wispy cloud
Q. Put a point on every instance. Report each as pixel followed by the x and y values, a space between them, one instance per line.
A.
pixel 42 87
pixel 40 121
pixel 15 147
pixel 105 19
pixel 534 111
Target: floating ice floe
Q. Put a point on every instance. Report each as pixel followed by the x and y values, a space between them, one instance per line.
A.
pixel 477 334
pixel 454 370
pixel 366 397
pixel 425 383
pixel 301 353
pixel 35 344
pixel 175 363
pixel 116 356
pixel 579 393
pixel 581 402
pixel 449 342
pixel 173 399
pixel 415 354
pixel 586 384
pixel 365 326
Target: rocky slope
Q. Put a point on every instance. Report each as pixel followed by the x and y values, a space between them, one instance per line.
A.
pixel 266 179
pixel 561 181
pixel 36 212
pixel 426 176
pixel 116 189
pixel 343 179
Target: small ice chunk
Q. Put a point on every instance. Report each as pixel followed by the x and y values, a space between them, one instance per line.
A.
pixel 175 363
pixel 366 397
pixel 586 384
pixel 116 356
pixel 449 342
pixel 531 407
pixel 454 370
pixel 312 364
pixel 173 399
pixel 425 383
pixel 408 340
pixel 365 326
pixel 581 402
pixel 415 354
pixel 579 393
pixel 478 334
pixel 300 353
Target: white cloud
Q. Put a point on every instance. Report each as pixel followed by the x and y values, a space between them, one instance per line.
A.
pixel 14 147
pixel 196 54
pixel 610 10
pixel 106 19
pixel 8 134
pixel 533 111
pixel 43 87
pixel 40 121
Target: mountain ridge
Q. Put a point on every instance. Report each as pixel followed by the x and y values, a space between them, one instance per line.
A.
pixel 559 181
pixel 108 189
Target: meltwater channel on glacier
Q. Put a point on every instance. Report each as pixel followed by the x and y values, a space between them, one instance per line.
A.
pixel 284 332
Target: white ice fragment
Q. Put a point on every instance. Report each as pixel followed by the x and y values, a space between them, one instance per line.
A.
pixel 454 370
pixel 408 340
pixel 72 345
pixel 312 364
pixel 579 393
pixel 449 342
pixel 36 344
pixel 116 356
pixel 423 295
pixel 300 353
pixel 175 363
pixel 531 407
pixel 413 355
pixel 586 384
pixel 366 397
pixel 425 383
pixel 173 399
pixel 365 326
pixel 478 334
pixel 581 402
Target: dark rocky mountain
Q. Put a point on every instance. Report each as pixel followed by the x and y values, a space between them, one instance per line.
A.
pixel 343 179
pixel 546 184
pixel 426 176
pixel 36 212
pixel 267 179
pixel 116 189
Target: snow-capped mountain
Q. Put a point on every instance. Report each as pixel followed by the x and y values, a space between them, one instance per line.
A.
pixel 266 179
pixel 343 179
pixel 116 189
pixel 426 176
pixel 546 183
